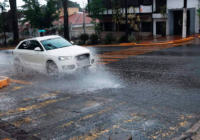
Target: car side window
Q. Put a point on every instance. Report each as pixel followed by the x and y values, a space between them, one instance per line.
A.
pixel 35 44
pixel 25 45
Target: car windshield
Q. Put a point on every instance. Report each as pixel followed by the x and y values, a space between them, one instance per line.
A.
pixel 55 43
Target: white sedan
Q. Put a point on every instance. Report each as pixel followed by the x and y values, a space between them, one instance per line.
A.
pixel 51 54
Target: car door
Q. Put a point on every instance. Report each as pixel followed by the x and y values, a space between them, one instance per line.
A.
pixel 36 58
pixel 23 51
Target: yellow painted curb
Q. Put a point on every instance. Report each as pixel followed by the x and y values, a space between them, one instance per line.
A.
pixel 7 48
pixel 4 82
pixel 183 40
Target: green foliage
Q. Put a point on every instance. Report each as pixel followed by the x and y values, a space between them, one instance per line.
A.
pixel 40 16
pixel 94 39
pixel 84 37
pixel 122 39
pixel 116 9
pixel 81 42
pixel 11 42
pixel 88 42
pixel 109 39
pixel 98 29
pixel 70 4
pixel 2 36
pixel 95 8
pixel 131 39
pixel 163 10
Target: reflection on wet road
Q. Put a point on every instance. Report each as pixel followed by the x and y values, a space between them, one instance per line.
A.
pixel 149 92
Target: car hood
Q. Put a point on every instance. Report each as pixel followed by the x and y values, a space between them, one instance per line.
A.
pixel 69 51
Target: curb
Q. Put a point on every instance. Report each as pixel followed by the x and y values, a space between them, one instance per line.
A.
pixel 150 44
pixel 190 132
pixel 7 48
pixel 183 40
pixel 4 81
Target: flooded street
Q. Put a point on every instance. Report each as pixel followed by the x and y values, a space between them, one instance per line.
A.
pixel 148 92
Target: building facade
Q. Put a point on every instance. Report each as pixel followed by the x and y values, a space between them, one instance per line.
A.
pixel 174 17
pixel 151 19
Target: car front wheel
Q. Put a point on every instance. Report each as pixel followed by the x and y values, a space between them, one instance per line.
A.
pixel 52 68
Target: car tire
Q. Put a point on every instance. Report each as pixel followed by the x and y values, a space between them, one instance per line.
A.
pixel 52 69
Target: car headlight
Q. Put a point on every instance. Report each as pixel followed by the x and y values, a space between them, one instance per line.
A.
pixel 63 58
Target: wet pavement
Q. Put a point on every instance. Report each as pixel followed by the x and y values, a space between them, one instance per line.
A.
pixel 148 92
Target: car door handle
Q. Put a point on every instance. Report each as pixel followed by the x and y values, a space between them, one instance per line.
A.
pixel 30 54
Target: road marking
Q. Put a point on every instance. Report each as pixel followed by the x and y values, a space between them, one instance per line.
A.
pixel 86 117
pixel 31 107
pixel 16 88
pixel 21 82
pixel 30 120
pixel 126 53
pixel 110 56
pixel 23 121
pixel 107 60
pixel 103 63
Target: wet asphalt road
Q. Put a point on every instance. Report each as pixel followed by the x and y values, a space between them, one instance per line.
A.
pixel 149 92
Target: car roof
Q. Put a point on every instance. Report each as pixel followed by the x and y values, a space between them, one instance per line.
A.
pixel 43 38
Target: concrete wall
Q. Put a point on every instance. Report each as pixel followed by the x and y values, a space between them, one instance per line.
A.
pixel 173 5
pixel 178 4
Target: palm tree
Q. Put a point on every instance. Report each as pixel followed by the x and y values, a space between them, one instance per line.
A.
pixel 13 7
pixel 66 28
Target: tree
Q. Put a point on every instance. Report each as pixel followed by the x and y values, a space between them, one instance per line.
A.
pixel 13 7
pixel 117 14
pixel 66 22
pixel 39 16
pixel 95 8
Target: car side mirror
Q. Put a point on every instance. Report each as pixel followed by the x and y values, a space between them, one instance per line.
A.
pixel 37 49
pixel 72 42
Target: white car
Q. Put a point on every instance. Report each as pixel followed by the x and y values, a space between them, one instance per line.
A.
pixel 51 54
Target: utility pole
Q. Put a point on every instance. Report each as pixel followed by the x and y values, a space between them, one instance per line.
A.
pixel 84 19
pixel 184 33
pixel 4 32
pixel 126 20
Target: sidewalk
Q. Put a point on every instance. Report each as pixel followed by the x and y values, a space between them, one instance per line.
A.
pixel 167 39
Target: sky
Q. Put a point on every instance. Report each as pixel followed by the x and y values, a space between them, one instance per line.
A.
pixel 20 2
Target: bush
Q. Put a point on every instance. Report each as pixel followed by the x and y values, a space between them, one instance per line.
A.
pixel 122 39
pixel 84 37
pixel 131 39
pixel 81 42
pixel 11 42
pixel 94 39
pixel 19 40
pixel 109 38
pixel 88 42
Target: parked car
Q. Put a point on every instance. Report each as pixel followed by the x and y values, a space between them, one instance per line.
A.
pixel 51 54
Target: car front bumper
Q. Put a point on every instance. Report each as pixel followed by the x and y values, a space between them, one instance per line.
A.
pixel 73 65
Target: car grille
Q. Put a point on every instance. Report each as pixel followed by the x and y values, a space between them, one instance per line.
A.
pixel 82 57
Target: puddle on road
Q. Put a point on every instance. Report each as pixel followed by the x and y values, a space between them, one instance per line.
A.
pixel 79 82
